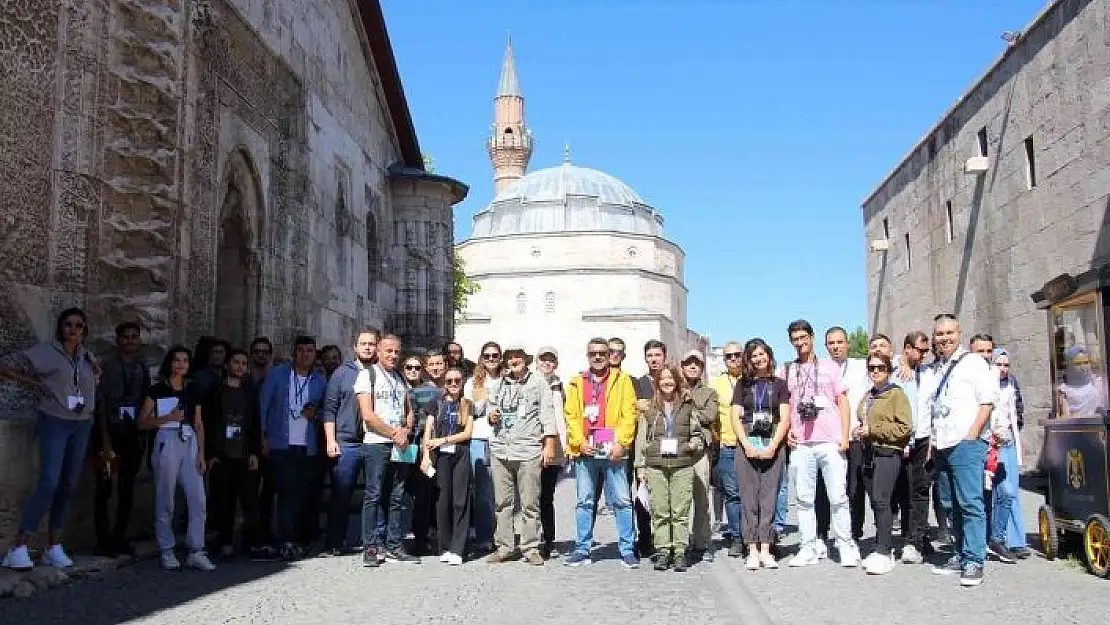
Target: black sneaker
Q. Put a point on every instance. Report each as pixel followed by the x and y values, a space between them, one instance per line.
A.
pixel 972 574
pixel 736 550
pixel 927 549
pixel 123 547
pixel 1001 552
pixel 545 550
pixel 662 561
pixel 679 562
pixel 1022 553
pixel 951 566
pixel 291 551
pixel 105 549
pixel 399 556
pixel 265 553
pixel 370 557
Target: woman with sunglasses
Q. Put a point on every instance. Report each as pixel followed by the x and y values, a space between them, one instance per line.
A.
pixel 479 389
pixel 63 373
pixel 413 371
pixel 761 419
pixel 884 414
pixel 447 449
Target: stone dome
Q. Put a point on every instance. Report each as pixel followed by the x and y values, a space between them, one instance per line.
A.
pixel 567 198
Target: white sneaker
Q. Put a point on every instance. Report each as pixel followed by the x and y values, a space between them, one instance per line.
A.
pixel 822 549
pixel 18 559
pixel 805 557
pixel 56 557
pixel 752 563
pixel 199 560
pixel 445 557
pixel 169 561
pixel 849 554
pixel 454 559
pixel 878 564
pixel 768 561
pixel 910 555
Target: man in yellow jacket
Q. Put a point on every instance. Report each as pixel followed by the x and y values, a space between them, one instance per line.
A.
pixel 601 417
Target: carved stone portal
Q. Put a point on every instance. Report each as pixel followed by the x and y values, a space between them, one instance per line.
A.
pixel 237 267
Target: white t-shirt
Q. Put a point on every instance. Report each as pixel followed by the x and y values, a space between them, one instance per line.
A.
pixel 970 385
pixel 482 429
pixel 389 392
pixel 853 375
pixel 298 397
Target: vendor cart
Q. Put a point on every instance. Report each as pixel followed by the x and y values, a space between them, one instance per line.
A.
pixel 1074 456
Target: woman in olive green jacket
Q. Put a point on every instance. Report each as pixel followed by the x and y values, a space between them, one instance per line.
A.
pixel 885 416
pixel 668 443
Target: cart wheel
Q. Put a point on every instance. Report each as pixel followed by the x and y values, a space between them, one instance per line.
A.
pixel 1096 545
pixel 1046 525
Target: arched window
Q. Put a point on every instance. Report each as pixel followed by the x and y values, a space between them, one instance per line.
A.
pixel 549 302
pixel 373 255
pixel 521 303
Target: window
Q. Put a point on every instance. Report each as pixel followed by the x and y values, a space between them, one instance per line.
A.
pixel 1030 164
pixel 981 138
pixel 549 302
pixel 521 303
pixel 886 229
pixel 949 230
pixel 909 262
pixel 508 131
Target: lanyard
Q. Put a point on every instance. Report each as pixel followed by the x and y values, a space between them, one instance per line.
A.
pixel 943 386
pixel 760 393
pixel 595 388
pixel 75 363
pixel 298 389
pixel 451 417
pixel 512 402
pixel 392 387
pixel 668 419
pixel 802 384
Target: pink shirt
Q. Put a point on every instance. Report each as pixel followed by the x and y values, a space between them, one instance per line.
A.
pixel 826 428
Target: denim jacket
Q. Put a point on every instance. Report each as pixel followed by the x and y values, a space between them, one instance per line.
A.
pixel 274 406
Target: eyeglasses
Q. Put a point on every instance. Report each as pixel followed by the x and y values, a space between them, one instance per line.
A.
pixel 413 367
pixel 734 355
pixel 491 356
pixel 453 381
pixel 597 354
pixel 1003 364
pixel 874 368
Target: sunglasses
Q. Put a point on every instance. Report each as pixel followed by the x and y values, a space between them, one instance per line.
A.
pixel 734 355
pixel 598 354
pixel 453 381
pixel 492 356
pixel 413 367
pixel 874 368
pixel 616 352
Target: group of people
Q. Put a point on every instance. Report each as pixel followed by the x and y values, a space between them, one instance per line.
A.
pixel 472 452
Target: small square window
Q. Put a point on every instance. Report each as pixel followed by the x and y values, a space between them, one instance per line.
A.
pixel 909 260
pixel 981 140
pixel 949 229
pixel 1030 164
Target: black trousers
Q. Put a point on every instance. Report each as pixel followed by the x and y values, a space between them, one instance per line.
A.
pixel 856 487
pixel 293 468
pixel 549 479
pixel 267 498
pixel 879 481
pixel 232 486
pixel 129 449
pixel 319 467
pixel 425 491
pixel 921 483
pixel 452 507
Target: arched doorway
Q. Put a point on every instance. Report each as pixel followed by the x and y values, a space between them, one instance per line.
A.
pixel 237 266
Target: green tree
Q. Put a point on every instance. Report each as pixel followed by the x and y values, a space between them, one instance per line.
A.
pixel 859 343
pixel 464 287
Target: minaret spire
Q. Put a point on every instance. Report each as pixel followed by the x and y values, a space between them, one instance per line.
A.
pixel 510 144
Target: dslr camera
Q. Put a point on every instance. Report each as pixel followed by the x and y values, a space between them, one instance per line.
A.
pixel 807 410
pixel 761 425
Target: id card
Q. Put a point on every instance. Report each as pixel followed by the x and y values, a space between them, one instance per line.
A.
pixel 186 433
pixel 508 420
pixel 447 448
pixel 592 413
pixel 668 447
pixel 233 432
pixel 761 418
pixel 126 413
pixel 75 402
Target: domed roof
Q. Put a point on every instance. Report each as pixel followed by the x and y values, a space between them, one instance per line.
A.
pixel 556 183
pixel 567 198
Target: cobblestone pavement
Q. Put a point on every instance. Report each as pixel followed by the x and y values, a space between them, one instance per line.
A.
pixel 339 591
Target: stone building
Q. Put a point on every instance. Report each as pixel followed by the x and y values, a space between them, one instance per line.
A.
pixel 230 167
pixel 567 253
pixel 980 242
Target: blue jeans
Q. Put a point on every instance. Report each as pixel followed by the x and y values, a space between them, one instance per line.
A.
pixel 344 476
pixel 782 502
pixel 730 486
pixel 481 516
pixel 589 474
pixel 1005 507
pixel 384 477
pixel 62 444
pixel 960 482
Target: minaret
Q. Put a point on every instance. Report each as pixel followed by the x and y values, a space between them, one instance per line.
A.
pixel 510 144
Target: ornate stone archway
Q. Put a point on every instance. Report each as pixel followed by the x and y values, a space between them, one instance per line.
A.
pixel 237 306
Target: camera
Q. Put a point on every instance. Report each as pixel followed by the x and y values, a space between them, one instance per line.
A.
pixel 807 410
pixel 761 424
pixel 79 407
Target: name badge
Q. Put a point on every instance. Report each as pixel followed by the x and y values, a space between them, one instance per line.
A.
pixel 592 413
pixel 447 448
pixel 508 420
pixel 822 402
pixel 76 403
pixel 761 418
pixel 126 413
pixel 668 447
pixel 233 431
pixel 186 433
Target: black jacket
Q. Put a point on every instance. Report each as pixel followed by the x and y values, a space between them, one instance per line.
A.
pixel 212 413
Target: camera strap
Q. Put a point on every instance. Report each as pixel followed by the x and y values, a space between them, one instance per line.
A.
pixel 798 376
pixel 944 379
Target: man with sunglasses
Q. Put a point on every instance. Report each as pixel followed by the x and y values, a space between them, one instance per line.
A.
pixel 959 401
pixel 917 466
pixel 725 385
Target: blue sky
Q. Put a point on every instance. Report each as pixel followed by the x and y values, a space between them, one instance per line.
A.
pixel 755 128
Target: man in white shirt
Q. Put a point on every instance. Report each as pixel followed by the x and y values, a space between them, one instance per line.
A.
pixel 960 404
pixel 853 375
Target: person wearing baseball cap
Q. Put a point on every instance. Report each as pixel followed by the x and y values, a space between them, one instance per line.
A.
pixel 705 411
pixel 547 362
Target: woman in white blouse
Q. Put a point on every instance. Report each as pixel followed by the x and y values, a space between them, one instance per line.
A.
pixel 484 384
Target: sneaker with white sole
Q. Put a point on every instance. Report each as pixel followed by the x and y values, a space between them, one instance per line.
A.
pixel 910 555
pixel 822 549
pixel 752 563
pixel 768 561
pixel 56 557
pixel 18 559
pixel 445 557
pixel 849 554
pixel 199 560
pixel 806 556
pixel 170 561
pixel 454 559
pixel 878 564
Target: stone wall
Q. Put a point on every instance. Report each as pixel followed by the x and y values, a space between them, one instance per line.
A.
pixel 1005 239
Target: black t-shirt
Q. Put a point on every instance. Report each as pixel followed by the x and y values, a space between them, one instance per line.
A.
pixel 235 404
pixel 162 390
pixel 758 394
